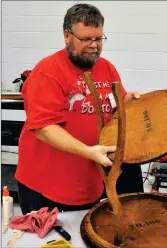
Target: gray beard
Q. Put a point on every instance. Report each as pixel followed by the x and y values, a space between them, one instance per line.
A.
pixel 82 61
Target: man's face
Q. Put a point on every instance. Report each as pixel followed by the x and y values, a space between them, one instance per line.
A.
pixel 82 51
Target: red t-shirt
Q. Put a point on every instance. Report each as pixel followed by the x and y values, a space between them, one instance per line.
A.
pixel 55 93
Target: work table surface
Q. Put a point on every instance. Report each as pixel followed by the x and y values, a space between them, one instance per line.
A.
pixel 69 220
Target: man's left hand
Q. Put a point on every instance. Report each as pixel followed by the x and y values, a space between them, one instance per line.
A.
pixel 131 95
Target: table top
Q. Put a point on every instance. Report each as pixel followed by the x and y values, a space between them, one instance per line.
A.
pixel 69 220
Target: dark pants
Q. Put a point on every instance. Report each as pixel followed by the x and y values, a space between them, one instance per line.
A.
pixel 130 181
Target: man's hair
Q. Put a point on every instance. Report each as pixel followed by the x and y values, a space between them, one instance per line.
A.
pixel 88 14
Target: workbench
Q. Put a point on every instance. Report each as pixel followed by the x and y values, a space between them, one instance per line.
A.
pixel 69 220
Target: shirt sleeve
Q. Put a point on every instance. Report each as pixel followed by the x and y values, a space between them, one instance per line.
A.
pixel 45 101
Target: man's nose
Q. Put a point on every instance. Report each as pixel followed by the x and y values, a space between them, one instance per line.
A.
pixel 93 44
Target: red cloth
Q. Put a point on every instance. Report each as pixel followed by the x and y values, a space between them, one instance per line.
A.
pixel 55 93
pixel 40 222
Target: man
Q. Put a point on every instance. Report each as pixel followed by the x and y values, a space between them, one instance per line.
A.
pixel 57 146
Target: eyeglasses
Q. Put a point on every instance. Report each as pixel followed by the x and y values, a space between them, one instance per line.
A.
pixel 88 41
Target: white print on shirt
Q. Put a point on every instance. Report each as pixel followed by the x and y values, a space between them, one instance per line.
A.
pixel 76 97
pixel 91 109
pixel 112 100
pixel 83 96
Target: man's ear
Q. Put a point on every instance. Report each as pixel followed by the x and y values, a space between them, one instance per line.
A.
pixel 66 36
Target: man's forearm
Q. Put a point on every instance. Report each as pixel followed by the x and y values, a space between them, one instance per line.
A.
pixel 59 138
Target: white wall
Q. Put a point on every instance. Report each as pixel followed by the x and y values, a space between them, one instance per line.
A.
pixel 136 45
pixel 30 31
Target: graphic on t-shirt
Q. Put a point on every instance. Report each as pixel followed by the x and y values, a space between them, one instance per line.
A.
pixel 81 99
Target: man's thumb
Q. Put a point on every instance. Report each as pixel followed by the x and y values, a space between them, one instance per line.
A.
pixel 111 149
